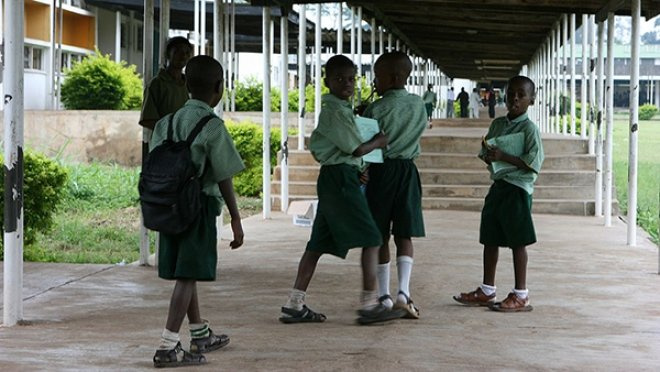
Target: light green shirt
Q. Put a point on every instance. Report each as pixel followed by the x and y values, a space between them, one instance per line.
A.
pixel 163 96
pixel 532 154
pixel 402 116
pixel 429 97
pixel 336 137
pixel 213 151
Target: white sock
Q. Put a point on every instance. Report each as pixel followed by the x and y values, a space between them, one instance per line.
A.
pixel 369 299
pixel 404 269
pixel 168 340
pixel 521 293
pixel 383 274
pixel 296 299
pixel 487 289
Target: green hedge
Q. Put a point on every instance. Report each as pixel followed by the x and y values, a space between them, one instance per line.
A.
pixel 43 189
pixel 248 138
pixel 647 111
pixel 98 83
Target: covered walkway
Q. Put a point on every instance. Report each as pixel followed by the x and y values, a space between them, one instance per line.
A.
pixel 595 303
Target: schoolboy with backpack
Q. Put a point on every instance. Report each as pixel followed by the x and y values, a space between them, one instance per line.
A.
pixel 190 255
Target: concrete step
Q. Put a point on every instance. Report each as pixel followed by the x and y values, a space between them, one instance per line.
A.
pixel 482 122
pixel 466 161
pixel 552 144
pixel 480 177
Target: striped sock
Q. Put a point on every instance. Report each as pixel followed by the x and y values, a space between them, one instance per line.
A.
pixel 199 330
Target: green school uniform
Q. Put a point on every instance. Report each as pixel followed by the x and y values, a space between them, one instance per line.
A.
pixel 193 254
pixel 394 192
pixel 163 96
pixel 506 218
pixel 343 220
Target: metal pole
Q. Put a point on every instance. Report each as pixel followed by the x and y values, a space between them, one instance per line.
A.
pixel 302 75
pixel 13 163
pixel 564 76
pixel 218 46
pixel 317 66
pixel 265 51
pixel 225 57
pixel 117 35
pixel 58 71
pixel 558 82
pixel 196 26
pixel 53 51
pixel 634 117
pixel 232 64
pixel 340 30
pixel 599 121
pixel 592 86
pixel 609 122
pixel 380 40
pixel 164 30
pixel 585 78
pixel 572 116
pixel 202 27
pixel 353 34
pixel 359 54
pixel 284 111
pixel 147 74
pixel 373 43
pixel 389 41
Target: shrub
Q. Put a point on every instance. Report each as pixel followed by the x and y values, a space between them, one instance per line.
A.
pixel 249 96
pixel 647 111
pixel 98 83
pixel 43 189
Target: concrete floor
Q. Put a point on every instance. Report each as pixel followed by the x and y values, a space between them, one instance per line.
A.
pixel 596 307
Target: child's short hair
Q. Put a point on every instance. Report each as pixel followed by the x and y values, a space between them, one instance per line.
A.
pixel 202 74
pixel 525 80
pixel 336 63
pixel 174 42
pixel 399 63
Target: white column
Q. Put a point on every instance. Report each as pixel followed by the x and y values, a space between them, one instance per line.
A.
pixel 225 56
pixel 233 76
pixel 13 163
pixel 558 82
pixel 265 51
pixel 340 30
pixel 302 75
pixel 592 86
pixel 584 83
pixel 317 66
pixel 359 53
pixel 373 44
pixel 389 41
pixel 202 28
pixel 609 122
pixel 164 30
pixel 54 56
pixel 117 35
pixel 564 65
pixel 147 74
pixel 599 121
pixel 634 117
pixel 218 45
pixel 353 34
pixel 380 40
pixel 572 92
pixel 196 26
pixel 284 111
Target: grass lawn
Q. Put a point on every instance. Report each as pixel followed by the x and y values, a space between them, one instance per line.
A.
pixel 648 177
pixel 99 220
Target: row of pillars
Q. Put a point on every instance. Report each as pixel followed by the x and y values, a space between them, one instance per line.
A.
pixel 550 71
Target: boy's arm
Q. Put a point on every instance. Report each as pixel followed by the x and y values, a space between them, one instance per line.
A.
pixel 227 191
pixel 378 141
pixel 495 154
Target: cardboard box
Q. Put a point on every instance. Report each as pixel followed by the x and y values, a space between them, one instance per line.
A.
pixel 303 212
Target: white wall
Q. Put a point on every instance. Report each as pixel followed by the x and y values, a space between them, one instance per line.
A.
pixel 36 94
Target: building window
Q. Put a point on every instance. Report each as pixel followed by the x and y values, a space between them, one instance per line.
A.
pixel 124 35
pixel 32 58
pixel 69 59
pixel 140 37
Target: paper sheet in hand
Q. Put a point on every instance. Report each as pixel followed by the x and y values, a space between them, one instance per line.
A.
pixel 512 144
pixel 368 128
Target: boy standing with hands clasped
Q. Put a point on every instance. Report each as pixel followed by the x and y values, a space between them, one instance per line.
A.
pixel 394 192
pixel 191 256
pixel 506 218
pixel 343 220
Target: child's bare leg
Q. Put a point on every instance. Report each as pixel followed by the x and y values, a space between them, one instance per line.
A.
pixel 384 251
pixel 193 309
pixel 404 246
pixel 520 267
pixel 369 264
pixel 306 269
pixel 491 255
pixel 180 303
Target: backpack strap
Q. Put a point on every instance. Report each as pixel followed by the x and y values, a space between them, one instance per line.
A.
pixel 169 127
pixel 198 128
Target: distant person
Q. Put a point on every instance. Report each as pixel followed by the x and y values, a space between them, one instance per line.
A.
pixel 394 189
pixel 492 101
pixel 430 101
pixel 450 103
pixel 343 220
pixel 475 104
pixel 463 101
pixel 192 255
pixel 506 218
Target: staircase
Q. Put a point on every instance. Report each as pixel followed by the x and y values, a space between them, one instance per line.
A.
pixel 454 178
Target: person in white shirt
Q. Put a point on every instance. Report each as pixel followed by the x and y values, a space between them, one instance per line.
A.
pixel 475 104
pixel 450 102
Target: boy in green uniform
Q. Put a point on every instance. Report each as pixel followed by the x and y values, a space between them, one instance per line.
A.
pixel 394 192
pixel 167 92
pixel 429 102
pixel 192 255
pixel 343 220
pixel 506 218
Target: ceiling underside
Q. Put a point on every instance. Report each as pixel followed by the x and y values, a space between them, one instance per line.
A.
pixel 481 39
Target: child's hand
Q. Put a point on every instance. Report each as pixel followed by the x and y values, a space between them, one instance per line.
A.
pixel 364 177
pixel 380 140
pixel 495 154
pixel 237 229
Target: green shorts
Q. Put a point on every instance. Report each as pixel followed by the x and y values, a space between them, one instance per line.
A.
pixel 192 254
pixel 394 194
pixel 506 219
pixel 429 109
pixel 343 220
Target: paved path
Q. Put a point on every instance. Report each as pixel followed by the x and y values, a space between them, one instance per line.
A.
pixel 596 302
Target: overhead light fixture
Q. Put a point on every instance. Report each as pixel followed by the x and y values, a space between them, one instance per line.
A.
pixel 500 61
pixel 488 67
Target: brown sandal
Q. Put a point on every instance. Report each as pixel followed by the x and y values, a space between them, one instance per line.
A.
pixel 511 304
pixel 475 298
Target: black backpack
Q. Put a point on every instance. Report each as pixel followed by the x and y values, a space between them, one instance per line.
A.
pixel 169 187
